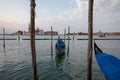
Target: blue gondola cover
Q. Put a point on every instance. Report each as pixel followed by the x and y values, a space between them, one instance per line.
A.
pixel 60 43
pixel 109 65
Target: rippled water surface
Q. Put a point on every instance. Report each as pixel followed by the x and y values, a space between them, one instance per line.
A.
pixel 15 60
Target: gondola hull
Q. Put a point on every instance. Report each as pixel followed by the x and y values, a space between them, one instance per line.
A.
pixel 60 51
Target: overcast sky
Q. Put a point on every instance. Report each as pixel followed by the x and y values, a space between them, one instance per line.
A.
pixel 14 15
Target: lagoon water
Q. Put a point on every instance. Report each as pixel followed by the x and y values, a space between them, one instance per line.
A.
pixel 15 60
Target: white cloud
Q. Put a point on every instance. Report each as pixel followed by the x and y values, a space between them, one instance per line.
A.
pixel 106 17
pixel 75 17
pixel 78 3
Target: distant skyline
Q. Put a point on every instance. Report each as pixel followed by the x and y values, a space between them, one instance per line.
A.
pixel 60 14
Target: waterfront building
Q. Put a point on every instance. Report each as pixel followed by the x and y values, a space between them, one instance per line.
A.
pixel 49 33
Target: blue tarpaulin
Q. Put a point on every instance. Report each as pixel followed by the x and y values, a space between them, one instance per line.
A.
pixel 109 65
pixel 60 43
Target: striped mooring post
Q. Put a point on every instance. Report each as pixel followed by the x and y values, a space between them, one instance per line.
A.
pixel 32 40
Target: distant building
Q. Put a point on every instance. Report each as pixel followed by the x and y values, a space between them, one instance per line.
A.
pixel 72 33
pixel 115 33
pixel 20 32
pixel 39 32
pixel 26 33
pixel 100 34
pixel 81 33
pixel 29 28
pixel 49 33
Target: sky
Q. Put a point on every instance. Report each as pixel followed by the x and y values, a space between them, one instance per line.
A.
pixel 15 15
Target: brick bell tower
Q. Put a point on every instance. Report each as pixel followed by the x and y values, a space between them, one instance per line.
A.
pixel 29 28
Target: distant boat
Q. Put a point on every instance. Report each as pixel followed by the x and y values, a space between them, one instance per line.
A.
pixel 60 46
pixel 102 35
pixel 109 65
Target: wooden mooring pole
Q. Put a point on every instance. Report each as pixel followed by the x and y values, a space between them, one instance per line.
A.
pixel 18 36
pixel 68 38
pixel 51 41
pixel 90 37
pixel 64 35
pixel 73 37
pixel 32 40
pixel 68 35
pixel 4 38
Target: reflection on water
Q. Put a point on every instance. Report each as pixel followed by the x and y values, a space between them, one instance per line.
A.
pixel 59 60
pixel 4 57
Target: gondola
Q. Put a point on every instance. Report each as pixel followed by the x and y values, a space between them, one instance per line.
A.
pixel 60 47
pixel 109 64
